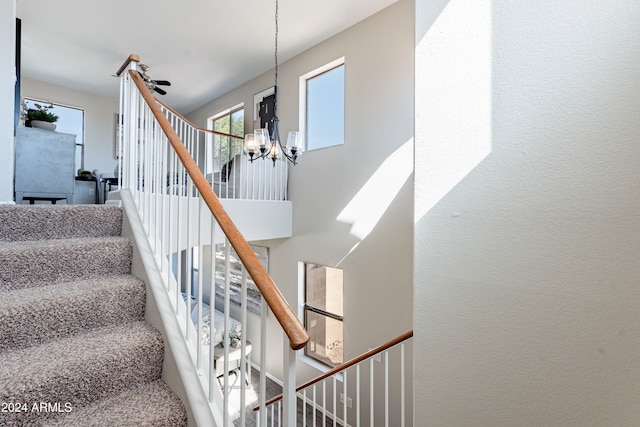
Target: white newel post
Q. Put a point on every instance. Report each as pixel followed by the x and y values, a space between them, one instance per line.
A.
pixel 131 118
pixel 289 386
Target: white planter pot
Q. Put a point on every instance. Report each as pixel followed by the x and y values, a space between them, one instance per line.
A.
pixel 43 125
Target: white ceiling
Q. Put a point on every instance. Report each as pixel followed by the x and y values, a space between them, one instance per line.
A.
pixel 205 48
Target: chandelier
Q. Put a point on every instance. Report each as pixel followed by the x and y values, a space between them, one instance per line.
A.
pixel 261 144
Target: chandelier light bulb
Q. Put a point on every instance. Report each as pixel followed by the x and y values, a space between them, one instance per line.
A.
pixel 250 146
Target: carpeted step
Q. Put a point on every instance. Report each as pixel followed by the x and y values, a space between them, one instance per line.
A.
pixel 36 263
pixel 32 316
pixel 76 371
pixel 152 404
pixel 33 222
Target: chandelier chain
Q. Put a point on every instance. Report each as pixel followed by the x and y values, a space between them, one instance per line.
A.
pixel 263 145
pixel 275 87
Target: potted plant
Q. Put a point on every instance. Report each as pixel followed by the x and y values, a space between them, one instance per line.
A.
pixel 234 339
pixel 41 117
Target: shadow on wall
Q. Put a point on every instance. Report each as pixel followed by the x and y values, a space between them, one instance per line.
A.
pixel 453 96
pixel 366 208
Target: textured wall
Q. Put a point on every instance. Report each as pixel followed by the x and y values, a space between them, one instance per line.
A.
pixel 527 196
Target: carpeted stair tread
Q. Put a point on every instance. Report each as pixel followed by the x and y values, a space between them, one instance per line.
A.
pixel 74 348
pixel 152 404
pixel 32 316
pixel 80 369
pixel 36 263
pixel 33 222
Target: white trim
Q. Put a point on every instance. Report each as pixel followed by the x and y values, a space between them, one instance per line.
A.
pixel 222 113
pixel 302 91
pixel 257 99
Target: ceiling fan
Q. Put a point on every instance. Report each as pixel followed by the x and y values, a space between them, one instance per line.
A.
pixel 152 84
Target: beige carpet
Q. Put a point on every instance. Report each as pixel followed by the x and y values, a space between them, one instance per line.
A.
pixel 74 347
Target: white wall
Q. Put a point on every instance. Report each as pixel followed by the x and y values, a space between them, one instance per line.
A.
pixel 526 265
pixel 378 134
pixel 99 119
pixel 7 89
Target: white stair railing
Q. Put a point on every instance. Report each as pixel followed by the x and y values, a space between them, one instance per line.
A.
pixel 159 155
pixel 226 166
pixel 370 389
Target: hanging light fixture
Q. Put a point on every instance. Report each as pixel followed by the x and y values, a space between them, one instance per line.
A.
pixel 261 144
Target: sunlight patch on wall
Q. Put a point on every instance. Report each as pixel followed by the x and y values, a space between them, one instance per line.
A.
pixel 372 200
pixel 453 99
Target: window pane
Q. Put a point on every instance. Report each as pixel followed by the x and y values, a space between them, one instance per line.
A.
pixel 324 288
pixel 237 123
pixel 325 109
pixel 225 148
pixel 222 124
pixel 326 338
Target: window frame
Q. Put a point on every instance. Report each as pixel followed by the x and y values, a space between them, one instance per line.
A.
pixel 304 308
pixel 302 105
pixel 210 163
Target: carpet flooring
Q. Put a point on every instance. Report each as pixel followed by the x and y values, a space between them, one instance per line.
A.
pixel 74 347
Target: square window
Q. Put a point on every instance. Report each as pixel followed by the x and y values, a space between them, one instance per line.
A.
pixel 322 103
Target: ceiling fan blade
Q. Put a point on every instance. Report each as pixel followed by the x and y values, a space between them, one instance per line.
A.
pixel 160 91
pixel 144 77
pixel 162 82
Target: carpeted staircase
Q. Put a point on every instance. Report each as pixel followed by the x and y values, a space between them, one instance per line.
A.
pixel 74 347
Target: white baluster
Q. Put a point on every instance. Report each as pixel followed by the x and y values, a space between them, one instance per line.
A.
pixel 304 408
pixel 345 398
pixel 263 360
pixel 371 393
pixel 162 222
pixel 315 406
pixel 212 296
pixel 199 285
pixel 386 389
pixel 358 395
pixel 225 338
pixel 289 386
pixel 324 403
pixel 243 347
pixel 402 386
pixel 335 405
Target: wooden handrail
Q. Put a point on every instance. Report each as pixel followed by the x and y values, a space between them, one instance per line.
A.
pixel 183 118
pixel 290 323
pixel 346 365
pixel 132 58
